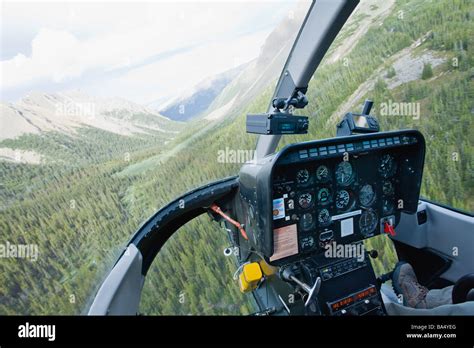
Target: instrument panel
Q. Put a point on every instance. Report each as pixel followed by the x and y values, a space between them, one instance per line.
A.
pixel 341 199
pixel 345 189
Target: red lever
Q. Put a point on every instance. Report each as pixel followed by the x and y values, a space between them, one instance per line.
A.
pixel 388 228
pixel 216 209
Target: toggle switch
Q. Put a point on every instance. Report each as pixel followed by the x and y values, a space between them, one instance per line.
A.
pixel 388 228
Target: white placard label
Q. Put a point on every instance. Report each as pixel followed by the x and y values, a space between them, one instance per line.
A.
pixel 347 227
pixel 346 215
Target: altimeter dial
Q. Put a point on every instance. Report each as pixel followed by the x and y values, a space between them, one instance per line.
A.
pixel 368 222
pixel 367 195
pixel 324 218
pixel 344 173
pixel 387 166
pixel 306 222
pixel 343 200
pixel 322 174
pixel 305 200
pixel 302 176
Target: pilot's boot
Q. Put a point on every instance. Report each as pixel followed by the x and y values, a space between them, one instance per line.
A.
pixel 439 297
pixel 404 282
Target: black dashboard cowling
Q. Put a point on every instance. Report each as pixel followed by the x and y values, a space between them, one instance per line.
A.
pixel 259 180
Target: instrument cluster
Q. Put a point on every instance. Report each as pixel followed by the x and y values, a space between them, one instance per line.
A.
pixel 342 199
pixel 344 189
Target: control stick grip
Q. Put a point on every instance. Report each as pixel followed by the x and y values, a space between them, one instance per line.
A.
pixel 312 291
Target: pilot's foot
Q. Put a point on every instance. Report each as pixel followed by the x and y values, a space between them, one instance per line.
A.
pixel 404 282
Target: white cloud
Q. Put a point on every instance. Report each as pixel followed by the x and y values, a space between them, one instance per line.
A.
pixel 55 55
pixel 78 38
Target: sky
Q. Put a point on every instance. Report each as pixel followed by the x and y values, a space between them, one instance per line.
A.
pixel 141 51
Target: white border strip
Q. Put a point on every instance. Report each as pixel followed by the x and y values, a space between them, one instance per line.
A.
pixel 346 215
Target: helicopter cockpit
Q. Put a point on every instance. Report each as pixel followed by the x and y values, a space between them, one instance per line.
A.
pixel 297 218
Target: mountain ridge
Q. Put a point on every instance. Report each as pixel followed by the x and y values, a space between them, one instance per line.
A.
pixel 66 111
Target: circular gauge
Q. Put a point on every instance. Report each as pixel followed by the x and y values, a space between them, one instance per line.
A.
pixel 324 218
pixel 387 188
pixel 305 200
pixel 343 199
pixel 322 174
pixel 387 207
pixel 306 222
pixel 344 173
pixel 368 222
pixel 367 195
pixel 324 196
pixel 387 166
pixel 302 176
pixel 307 243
